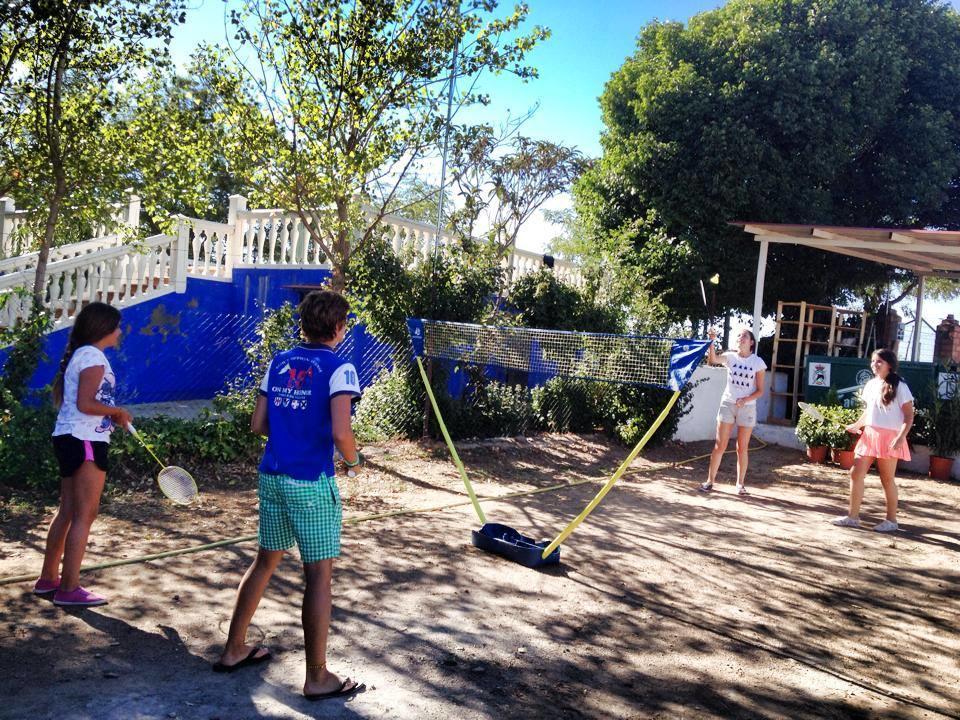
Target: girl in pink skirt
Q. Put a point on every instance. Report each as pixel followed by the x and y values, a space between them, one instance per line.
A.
pixel 885 421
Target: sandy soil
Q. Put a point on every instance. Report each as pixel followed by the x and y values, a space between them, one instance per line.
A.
pixel 667 603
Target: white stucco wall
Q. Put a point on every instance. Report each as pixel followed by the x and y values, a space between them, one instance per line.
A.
pixel 701 422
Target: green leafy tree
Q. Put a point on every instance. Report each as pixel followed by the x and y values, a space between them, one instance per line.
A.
pixel 801 111
pixel 352 98
pixel 176 146
pixel 62 157
pixel 503 181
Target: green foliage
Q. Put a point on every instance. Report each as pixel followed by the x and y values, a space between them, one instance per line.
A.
pixel 838 418
pixel 624 412
pixel 568 405
pixel 543 301
pixel 176 151
pixel 840 112
pixel 63 151
pixel 944 432
pixel 487 408
pixel 277 331
pixel 208 440
pixel 25 341
pixel 384 290
pixel 322 137
pixel 26 453
pixel 812 433
pixel 611 269
pixel 391 407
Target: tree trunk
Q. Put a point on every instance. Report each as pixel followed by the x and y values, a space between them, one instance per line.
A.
pixel 53 127
pixel 341 247
pixel 49 230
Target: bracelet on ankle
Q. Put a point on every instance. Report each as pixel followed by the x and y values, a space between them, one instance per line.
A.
pixel 321 666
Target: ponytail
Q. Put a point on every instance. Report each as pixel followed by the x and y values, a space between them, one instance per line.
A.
pixel 93 323
pixel 892 381
pixel 890 385
pixel 57 390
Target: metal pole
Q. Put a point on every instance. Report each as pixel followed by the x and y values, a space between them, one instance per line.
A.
pixel 758 289
pixel 446 138
pixel 918 320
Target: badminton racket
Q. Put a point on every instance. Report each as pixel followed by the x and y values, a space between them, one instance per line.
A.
pixel 812 411
pixel 174 482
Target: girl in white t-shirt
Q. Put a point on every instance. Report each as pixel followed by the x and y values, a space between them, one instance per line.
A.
pixel 885 421
pixel 84 390
pixel 738 406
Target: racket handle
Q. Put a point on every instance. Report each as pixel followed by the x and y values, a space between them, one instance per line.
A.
pixel 131 429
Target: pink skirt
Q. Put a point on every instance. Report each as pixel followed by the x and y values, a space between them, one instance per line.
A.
pixel 875 442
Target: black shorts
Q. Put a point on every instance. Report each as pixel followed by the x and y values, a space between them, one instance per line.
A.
pixel 72 453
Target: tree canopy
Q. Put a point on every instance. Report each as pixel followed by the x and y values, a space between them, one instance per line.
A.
pixel 802 111
pixel 351 98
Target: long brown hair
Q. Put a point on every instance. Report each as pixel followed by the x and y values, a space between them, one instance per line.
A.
pixel 95 322
pixel 892 381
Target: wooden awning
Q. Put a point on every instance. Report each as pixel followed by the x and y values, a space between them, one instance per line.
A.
pixel 926 252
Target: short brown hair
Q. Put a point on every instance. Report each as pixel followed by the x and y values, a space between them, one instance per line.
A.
pixel 321 311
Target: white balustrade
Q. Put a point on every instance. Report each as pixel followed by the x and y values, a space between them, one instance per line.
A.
pixel 120 276
pixel 208 247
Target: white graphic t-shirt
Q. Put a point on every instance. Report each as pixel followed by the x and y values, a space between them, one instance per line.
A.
pixel 70 421
pixel 741 374
pixel 879 415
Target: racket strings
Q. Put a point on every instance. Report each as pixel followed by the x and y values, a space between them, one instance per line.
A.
pixel 177 484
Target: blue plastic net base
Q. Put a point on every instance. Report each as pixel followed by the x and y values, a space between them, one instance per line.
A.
pixel 507 542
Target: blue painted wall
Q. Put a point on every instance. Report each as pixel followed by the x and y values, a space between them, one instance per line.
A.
pixel 187 346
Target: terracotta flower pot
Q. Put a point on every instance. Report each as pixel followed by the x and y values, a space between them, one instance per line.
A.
pixel 817 453
pixel 843 458
pixel 940 467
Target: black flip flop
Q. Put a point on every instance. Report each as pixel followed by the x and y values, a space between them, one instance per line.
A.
pixel 347 688
pixel 251 659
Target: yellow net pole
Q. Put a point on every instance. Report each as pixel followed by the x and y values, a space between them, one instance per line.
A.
pixel 613 479
pixel 453 450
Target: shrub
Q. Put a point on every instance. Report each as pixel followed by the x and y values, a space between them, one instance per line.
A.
pixel 543 301
pixel 624 412
pixel 391 407
pixel 277 331
pixel 945 426
pixel 811 432
pixel 26 453
pixel 837 419
pixel 489 408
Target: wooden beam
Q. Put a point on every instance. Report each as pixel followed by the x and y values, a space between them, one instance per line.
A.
pixel 843 250
pixel 901 238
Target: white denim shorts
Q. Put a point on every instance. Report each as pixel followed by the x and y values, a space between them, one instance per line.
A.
pixel 745 416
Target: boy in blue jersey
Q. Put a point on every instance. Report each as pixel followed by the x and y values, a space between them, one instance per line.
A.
pixel 304 410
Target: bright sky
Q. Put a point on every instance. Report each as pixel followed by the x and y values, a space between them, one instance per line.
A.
pixel 589 41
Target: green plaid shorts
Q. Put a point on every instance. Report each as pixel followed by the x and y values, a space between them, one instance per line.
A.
pixel 307 512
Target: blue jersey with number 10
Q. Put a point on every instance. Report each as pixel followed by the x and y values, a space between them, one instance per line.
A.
pixel 298 387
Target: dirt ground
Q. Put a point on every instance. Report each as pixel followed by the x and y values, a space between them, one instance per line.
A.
pixel 667 603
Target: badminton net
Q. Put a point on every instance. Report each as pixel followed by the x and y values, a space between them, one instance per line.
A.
pixel 636 359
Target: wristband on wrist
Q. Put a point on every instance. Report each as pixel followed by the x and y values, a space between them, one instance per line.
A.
pixel 355 462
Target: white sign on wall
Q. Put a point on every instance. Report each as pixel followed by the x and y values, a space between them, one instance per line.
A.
pixel 819 375
pixel 947 384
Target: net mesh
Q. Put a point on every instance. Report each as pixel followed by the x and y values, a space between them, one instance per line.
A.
pixel 633 359
pixel 177 484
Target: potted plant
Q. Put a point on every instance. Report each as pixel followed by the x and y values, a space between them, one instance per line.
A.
pixel 814 434
pixel 944 435
pixel 840 441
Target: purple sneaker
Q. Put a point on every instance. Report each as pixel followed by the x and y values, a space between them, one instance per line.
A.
pixel 80 597
pixel 45 587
